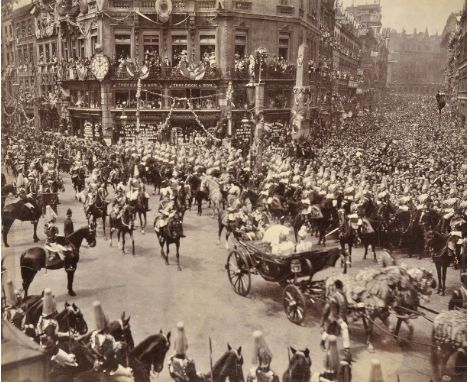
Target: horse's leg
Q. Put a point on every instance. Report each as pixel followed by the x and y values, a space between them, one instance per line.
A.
pixel 220 230
pixel 177 244
pixel 70 278
pixel 111 231
pixel 373 250
pixel 350 250
pixel 104 226
pixel 133 243
pixel 123 242
pixel 35 238
pixel 368 326
pixel 439 276
pixel 27 274
pixel 444 276
pixel 366 245
pixel 7 223
pixel 228 232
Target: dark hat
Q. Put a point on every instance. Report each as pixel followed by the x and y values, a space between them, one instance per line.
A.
pixel 69 212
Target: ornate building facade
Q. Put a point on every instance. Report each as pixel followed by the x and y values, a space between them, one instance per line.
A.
pixel 417 61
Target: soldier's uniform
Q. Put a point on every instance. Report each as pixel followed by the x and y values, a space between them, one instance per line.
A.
pixel 12 311
pixel 179 363
pixel 261 360
pixel 47 329
pixel 119 203
pixel 105 347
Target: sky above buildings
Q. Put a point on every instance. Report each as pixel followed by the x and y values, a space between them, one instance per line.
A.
pixel 410 14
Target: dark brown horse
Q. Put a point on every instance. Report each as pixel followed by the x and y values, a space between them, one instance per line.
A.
pixel 170 234
pixel 34 259
pixel 123 225
pixel 299 367
pixel 442 255
pixel 19 211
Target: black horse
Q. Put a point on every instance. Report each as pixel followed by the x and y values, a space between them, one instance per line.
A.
pixel 139 207
pixel 98 210
pixel 229 367
pixel 78 180
pixel 442 256
pixel 19 211
pixel 299 367
pixel 124 224
pixel 144 360
pixel 170 234
pixel 7 189
pixel 34 259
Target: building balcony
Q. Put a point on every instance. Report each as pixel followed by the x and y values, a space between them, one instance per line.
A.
pixel 206 5
pixel 123 4
pixel 243 5
pixel 287 10
pixel 162 73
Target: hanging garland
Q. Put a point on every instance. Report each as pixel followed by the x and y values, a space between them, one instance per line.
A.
pixel 200 122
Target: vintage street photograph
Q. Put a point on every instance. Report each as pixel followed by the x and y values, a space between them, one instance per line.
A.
pixel 233 191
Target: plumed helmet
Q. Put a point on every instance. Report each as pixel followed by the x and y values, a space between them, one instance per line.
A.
pixel 49 306
pixel 99 316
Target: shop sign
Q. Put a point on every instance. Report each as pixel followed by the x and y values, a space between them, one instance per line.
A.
pixel 193 85
pixel 352 84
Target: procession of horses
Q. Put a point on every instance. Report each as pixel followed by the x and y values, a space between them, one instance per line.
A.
pixel 285 218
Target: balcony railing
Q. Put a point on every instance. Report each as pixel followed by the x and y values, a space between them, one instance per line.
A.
pixel 269 73
pixel 285 9
pixel 243 5
pixel 163 73
pixel 206 4
pixel 125 4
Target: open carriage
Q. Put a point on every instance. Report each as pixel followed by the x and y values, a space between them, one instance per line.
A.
pixel 293 272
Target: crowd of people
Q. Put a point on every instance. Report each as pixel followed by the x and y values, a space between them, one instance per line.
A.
pixel 396 156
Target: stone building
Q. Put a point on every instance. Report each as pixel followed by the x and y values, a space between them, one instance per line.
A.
pixel 417 61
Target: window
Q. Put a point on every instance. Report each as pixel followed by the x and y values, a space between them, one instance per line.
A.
pixel 151 44
pixel 207 46
pixel 54 49
pixel 240 44
pixel 73 51
pixel 41 56
pixel 123 45
pixel 179 44
pixel 81 48
pixel 65 50
pixel 31 52
pixel 93 44
pixel 283 50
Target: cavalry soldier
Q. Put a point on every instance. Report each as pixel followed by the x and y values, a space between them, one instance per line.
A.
pixel 261 360
pixel 334 319
pixel 135 187
pixel 32 186
pixel 233 192
pixel 26 199
pixel 179 364
pixel 68 228
pixel 55 249
pixel 119 202
pixel 47 329
pixel 12 311
pixel 105 347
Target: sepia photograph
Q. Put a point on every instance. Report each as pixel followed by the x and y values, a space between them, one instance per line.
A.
pixel 233 191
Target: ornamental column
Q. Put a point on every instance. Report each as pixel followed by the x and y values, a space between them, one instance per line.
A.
pixel 300 119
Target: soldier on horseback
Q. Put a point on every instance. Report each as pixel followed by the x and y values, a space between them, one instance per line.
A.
pixel 181 367
pixel 26 199
pixel 136 187
pixel 55 250
pixel 119 202
pixel 47 330
pixel 262 357
pixel 105 347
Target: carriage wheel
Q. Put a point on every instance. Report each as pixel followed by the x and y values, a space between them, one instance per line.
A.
pixel 294 304
pixel 238 273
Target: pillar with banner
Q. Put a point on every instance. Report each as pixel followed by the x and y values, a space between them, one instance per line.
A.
pixel 300 111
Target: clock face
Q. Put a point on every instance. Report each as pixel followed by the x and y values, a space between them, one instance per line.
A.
pixel 100 66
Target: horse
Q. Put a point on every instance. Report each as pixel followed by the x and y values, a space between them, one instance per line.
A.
pixel 231 226
pixel 347 236
pixel 299 367
pixel 170 234
pixel 124 225
pixel 139 207
pixel 442 255
pixel 144 360
pixel 70 319
pixel 97 210
pixel 34 259
pixel 228 367
pixel 154 177
pixel 194 183
pixel 78 180
pixel 120 330
pixel 18 211
pixel 213 190
pixel 7 189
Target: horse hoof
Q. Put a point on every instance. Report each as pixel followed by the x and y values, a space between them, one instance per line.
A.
pixel 6 245
pixel 36 239
pixel 71 293
pixel 179 268
pixel 142 231
pixel 442 293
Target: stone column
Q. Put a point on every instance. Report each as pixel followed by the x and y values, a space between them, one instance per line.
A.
pixel 300 110
pixel 106 104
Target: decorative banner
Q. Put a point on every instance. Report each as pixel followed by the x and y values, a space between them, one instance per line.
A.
pixel 163 9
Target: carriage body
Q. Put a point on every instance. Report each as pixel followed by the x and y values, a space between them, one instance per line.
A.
pixel 293 273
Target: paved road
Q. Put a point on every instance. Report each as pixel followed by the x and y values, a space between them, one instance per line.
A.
pixel 158 296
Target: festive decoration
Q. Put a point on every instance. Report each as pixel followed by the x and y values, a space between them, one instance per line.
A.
pixel 100 66
pixel 163 9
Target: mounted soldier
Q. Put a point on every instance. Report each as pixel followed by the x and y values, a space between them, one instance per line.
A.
pixel 47 330
pixel 136 187
pixel 12 311
pixel 26 199
pixel 119 202
pixel 181 367
pixel 57 252
pixel 262 357
pixel 105 348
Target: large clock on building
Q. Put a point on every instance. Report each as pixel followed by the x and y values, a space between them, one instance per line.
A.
pixel 100 66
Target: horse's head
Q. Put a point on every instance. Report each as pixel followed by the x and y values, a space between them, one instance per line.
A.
pixel 229 366
pixel 91 234
pixel 175 226
pixel 121 331
pixel 299 365
pixel 75 319
pixel 160 347
pixel 423 280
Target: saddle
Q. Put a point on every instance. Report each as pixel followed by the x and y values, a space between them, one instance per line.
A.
pixel 58 255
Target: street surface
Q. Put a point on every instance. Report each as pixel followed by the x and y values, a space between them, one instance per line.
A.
pixel 158 296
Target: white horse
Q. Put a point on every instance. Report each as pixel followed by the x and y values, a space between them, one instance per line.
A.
pixel 213 189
